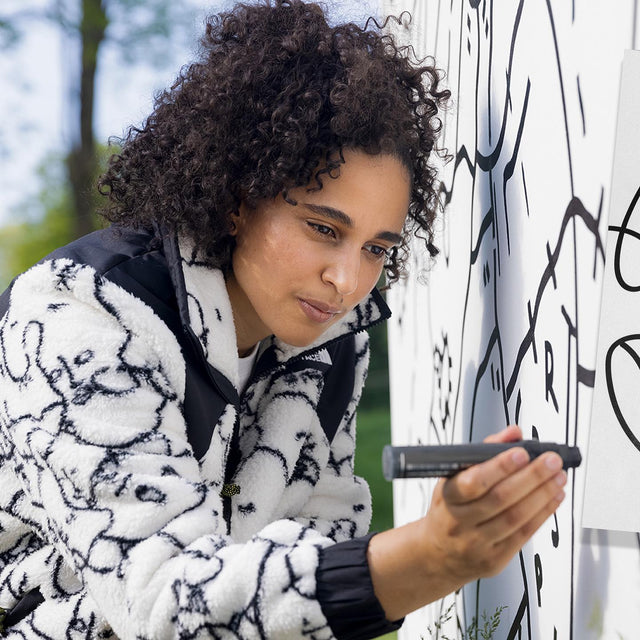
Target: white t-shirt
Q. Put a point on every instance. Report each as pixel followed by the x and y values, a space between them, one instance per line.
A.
pixel 245 367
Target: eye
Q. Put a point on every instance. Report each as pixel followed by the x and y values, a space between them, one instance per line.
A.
pixel 322 229
pixel 377 251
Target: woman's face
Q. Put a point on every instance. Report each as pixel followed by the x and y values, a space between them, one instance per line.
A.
pixel 298 269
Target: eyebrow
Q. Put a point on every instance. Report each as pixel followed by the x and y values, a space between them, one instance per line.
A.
pixel 344 219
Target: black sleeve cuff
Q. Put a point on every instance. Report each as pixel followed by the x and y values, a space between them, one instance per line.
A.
pixel 345 592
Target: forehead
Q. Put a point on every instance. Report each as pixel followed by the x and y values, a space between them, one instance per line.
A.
pixel 371 189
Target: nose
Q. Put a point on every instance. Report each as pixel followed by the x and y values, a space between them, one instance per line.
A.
pixel 343 272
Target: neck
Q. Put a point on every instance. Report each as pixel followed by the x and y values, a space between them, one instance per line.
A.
pixel 249 329
pixel 243 353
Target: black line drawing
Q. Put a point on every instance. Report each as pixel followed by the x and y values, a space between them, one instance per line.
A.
pixel 623 231
pixel 519 344
pixel 624 236
pixel 623 344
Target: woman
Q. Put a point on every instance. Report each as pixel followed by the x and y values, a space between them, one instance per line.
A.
pixel 179 390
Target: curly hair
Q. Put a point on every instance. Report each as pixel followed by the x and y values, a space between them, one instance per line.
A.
pixel 274 98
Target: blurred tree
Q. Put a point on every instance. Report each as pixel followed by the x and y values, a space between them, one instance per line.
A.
pixel 138 29
pixel 8 34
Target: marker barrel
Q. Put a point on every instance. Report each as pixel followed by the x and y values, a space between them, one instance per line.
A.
pixel 432 461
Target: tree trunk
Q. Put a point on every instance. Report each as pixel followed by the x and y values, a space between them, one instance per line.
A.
pixel 82 161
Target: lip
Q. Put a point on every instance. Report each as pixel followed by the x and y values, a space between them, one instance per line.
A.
pixel 318 311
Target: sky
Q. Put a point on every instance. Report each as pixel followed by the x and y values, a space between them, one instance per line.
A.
pixel 34 118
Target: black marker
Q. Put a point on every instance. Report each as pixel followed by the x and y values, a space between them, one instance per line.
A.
pixel 447 459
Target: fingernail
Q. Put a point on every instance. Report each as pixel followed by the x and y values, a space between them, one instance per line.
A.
pixel 554 462
pixel 520 457
pixel 561 479
pixel 560 496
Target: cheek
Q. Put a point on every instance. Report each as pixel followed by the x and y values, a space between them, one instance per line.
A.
pixel 292 257
pixel 373 278
pixel 285 263
pixel 257 249
pixel 369 276
pixel 272 260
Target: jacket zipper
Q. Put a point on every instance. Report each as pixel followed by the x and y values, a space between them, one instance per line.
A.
pixel 229 489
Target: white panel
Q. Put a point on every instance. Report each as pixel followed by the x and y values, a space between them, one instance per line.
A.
pixel 612 489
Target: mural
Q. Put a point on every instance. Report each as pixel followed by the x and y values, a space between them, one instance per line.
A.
pixel 503 328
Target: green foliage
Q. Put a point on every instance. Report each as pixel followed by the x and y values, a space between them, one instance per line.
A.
pixel 474 631
pixel 373 434
pixel 44 222
pixel 376 391
pixel 374 430
pixel 489 626
pixel 595 623
pixel 9 34
pixel 441 622
pixel 142 29
pixel 138 29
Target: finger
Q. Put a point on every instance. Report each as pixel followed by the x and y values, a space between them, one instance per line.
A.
pixel 511 545
pixel 477 481
pixel 511 434
pixel 513 519
pixel 515 488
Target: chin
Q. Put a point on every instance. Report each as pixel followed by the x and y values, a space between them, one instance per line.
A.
pixel 301 343
pixel 297 340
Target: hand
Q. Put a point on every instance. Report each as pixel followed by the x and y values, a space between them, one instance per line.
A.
pixel 476 522
pixel 482 516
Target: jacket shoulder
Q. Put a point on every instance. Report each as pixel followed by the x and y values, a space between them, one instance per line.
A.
pixel 340 383
pixel 130 258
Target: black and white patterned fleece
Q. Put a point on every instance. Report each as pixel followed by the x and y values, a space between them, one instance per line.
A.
pixel 105 508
